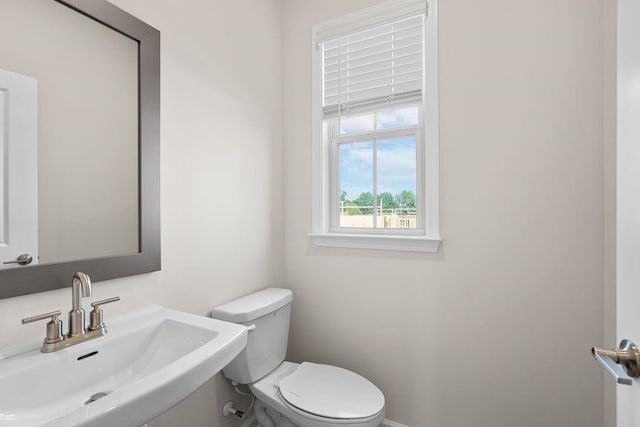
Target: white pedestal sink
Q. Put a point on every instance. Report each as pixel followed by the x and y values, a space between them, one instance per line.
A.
pixel 149 361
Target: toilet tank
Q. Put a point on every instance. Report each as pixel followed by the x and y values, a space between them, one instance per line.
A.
pixel 266 313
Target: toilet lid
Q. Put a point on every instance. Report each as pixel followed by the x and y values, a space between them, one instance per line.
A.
pixel 331 392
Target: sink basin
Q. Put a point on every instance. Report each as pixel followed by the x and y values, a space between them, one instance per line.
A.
pixel 149 361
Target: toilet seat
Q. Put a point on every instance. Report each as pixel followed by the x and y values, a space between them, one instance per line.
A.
pixel 267 390
pixel 331 392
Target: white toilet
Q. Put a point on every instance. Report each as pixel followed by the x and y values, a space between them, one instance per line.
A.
pixel 290 394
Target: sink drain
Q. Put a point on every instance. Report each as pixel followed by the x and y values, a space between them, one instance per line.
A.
pixel 96 396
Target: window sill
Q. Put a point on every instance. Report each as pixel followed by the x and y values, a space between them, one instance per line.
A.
pixel 380 242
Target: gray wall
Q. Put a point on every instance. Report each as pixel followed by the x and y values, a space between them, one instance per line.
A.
pixel 494 330
pixel 87 127
pixel 461 338
pixel 221 176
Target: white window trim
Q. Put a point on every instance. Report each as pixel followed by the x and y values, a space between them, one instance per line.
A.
pixel 429 240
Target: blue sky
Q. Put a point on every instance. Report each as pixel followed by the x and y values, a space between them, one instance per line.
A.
pixel 396 166
pixel 396 157
pixel 385 120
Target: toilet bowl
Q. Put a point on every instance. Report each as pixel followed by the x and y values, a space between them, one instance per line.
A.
pixel 290 394
pixel 300 393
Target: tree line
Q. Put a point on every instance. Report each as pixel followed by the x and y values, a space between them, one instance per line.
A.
pixel 363 204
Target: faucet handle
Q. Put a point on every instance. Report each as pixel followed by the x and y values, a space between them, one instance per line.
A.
pixel 54 327
pixel 97 316
pixel 97 304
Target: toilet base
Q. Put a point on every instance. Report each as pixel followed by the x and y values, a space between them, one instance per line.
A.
pixel 268 417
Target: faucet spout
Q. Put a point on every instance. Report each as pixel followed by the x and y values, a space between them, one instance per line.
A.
pixel 81 288
pixel 81 283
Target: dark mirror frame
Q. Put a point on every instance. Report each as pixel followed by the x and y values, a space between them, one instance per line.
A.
pixel 43 277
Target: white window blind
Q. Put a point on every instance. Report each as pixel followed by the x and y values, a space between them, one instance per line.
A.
pixel 377 65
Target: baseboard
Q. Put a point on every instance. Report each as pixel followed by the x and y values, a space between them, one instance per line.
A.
pixel 252 422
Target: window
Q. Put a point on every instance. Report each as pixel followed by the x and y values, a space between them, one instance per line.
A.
pixel 375 124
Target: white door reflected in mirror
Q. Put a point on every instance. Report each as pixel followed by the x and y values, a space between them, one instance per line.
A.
pixel 18 168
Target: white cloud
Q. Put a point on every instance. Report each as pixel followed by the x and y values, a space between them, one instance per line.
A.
pixel 397 118
pixel 400 159
pixel 356 124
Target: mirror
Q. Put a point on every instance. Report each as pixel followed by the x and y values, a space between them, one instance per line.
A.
pixel 79 144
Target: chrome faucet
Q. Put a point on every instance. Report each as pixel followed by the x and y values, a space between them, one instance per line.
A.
pixel 81 283
pixel 78 332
